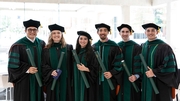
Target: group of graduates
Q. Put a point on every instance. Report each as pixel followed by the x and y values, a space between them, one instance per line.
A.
pixel 104 71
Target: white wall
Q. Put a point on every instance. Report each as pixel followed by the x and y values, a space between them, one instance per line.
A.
pixel 159 2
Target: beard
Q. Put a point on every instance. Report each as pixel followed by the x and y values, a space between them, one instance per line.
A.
pixel 103 37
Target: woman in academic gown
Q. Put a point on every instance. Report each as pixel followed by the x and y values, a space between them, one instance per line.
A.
pixel 89 66
pixel 50 59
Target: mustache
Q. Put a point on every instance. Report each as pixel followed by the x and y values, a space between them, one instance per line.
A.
pixel 102 34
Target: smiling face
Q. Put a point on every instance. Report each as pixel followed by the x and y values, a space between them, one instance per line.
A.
pixel 31 32
pixel 125 33
pixel 151 33
pixel 103 32
pixel 56 36
pixel 83 41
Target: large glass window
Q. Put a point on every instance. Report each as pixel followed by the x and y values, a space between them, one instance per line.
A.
pixel 73 17
pixel 175 15
pixel 141 15
pixel 76 17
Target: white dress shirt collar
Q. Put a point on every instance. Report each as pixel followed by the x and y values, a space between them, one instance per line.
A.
pixel 30 39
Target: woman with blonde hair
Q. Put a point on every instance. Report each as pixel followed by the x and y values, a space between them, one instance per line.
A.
pixel 62 90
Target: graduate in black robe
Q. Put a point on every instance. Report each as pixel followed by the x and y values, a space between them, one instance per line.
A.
pixel 89 65
pixel 50 59
pixel 111 56
pixel 21 72
pixel 131 51
pixel 162 66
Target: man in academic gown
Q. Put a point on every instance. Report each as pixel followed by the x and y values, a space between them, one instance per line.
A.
pixel 21 72
pixel 111 56
pixel 161 64
pixel 131 51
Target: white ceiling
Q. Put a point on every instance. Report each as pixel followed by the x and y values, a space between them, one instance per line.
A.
pixel 56 7
pixel 91 2
pixel 99 2
pixel 76 5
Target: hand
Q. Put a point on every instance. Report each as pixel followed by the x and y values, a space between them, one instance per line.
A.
pixel 32 70
pixel 107 75
pixel 81 67
pixel 149 73
pixel 132 78
pixel 54 73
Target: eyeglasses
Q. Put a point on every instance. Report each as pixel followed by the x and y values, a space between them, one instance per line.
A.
pixel 30 30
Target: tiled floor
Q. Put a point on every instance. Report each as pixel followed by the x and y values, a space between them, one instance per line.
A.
pixel 10 97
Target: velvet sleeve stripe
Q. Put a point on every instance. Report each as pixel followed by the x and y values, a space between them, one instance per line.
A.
pixel 137 67
pixel 137 64
pixel 137 61
pixel 137 70
pixel 169 64
pixel 117 63
pixel 13 61
pixel 167 58
pixel 137 57
pixel 169 61
pixel 118 69
pixel 13 65
pixel 13 54
pixel 168 70
pixel 119 57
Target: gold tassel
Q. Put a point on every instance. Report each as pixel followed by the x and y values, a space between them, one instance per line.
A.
pixel 41 26
pixel 131 32
pixel 158 29
pixel 90 40
pixel 110 31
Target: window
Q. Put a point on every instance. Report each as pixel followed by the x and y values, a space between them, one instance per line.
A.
pixel 73 17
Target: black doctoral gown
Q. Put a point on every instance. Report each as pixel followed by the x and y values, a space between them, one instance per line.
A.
pixel 131 51
pixel 160 58
pixel 81 92
pixel 111 57
pixel 26 87
pixel 63 87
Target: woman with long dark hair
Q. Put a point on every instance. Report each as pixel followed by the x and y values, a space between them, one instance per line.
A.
pixel 88 65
